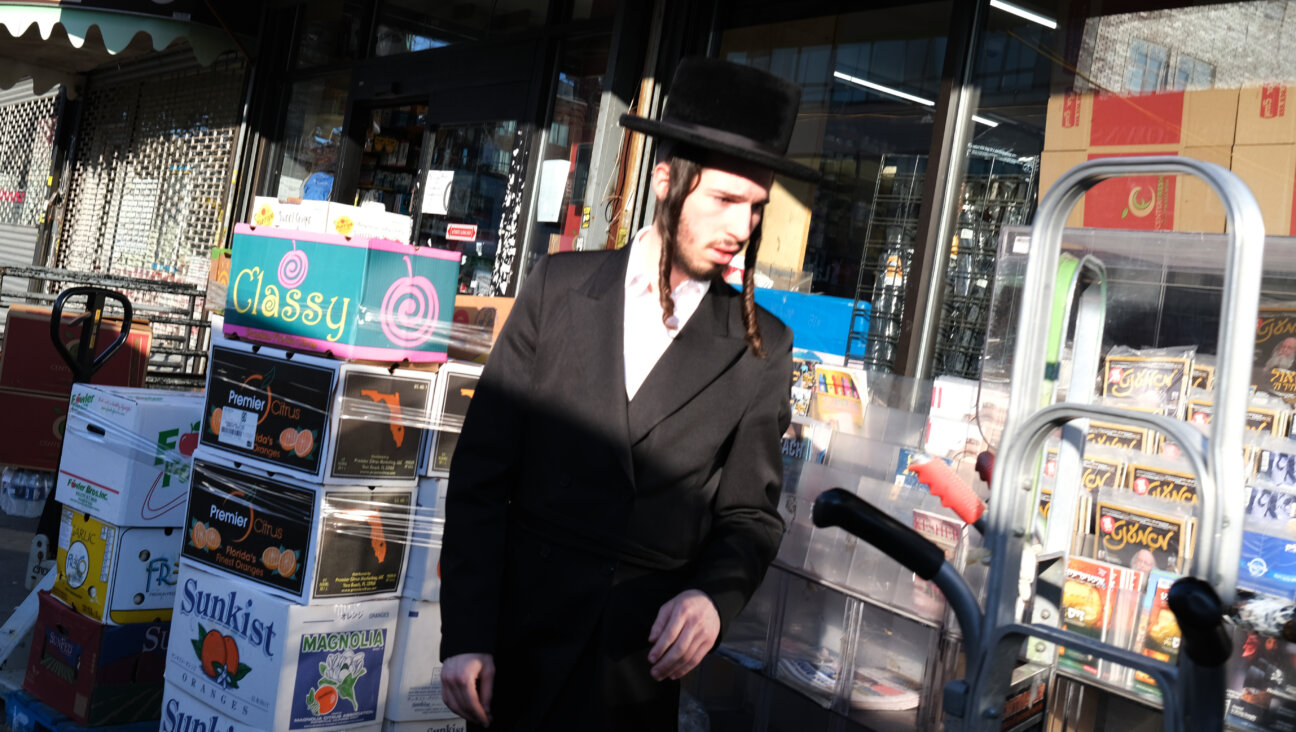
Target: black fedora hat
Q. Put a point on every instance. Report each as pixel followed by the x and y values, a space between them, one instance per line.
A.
pixel 731 109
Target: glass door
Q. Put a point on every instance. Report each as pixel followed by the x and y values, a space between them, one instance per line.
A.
pixel 390 155
pixel 464 178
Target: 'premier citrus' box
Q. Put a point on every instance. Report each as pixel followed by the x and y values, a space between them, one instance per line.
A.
pixel 368 299
pixel 127 453
pixel 94 673
pixel 116 574
pixel 305 543
pixel 279 411
pixel 272 664
pixel 414 692
pixel 184 713
pixel 455 390
pixel 258 398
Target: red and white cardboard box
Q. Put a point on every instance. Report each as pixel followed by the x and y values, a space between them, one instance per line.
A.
pixel 306 543
pixel 415 689
pixel 272 664
pixel 34 441
pixel 127 454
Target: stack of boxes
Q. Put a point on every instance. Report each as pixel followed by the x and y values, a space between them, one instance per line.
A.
pixel 98 647
pixel 1251 130
pixel 302 506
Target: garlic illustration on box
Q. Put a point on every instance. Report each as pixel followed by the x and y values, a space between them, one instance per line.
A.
pixel 338 676
pixel 409 309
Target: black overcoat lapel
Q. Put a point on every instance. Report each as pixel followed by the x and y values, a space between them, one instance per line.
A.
pixel 597 322
pixel 705 348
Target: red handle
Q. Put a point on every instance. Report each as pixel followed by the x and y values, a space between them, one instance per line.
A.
pixel 943 483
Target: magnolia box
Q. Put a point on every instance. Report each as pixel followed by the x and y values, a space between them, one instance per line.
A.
pixel 355 298
pixel 272 664
pixel 302 542
pixel 415 689
pixel 116 574
pixel 127 453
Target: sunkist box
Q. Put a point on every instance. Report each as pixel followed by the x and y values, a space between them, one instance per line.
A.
pixel 414 692
pixel 116 574
pixel 455 724
pixel 35 440
pixel 36 366
pixel 1197 124
pixel 94 673
pixel 279 411
pixel 272 664
pixel 183 713
pixel 127 453
pixel 367 299
pixel 304 543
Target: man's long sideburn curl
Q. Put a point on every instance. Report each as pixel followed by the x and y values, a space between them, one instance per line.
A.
pixel 685 173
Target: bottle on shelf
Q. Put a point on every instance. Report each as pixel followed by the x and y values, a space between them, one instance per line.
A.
pixel 888 302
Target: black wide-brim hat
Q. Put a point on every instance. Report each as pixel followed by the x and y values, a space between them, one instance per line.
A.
pixel 731 109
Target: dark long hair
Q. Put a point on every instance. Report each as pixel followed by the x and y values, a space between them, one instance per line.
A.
pixel 685 172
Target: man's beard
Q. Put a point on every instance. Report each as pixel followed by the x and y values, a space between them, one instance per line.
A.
pixel 703 269
pixel 1281 361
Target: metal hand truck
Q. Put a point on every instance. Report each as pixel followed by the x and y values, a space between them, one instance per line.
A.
pixel 1192 691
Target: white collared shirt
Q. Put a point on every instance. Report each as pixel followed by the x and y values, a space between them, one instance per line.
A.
pixel 646 336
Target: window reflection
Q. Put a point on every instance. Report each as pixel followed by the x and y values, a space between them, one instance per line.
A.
pixel 312 139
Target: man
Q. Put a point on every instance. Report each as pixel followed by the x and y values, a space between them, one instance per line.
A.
pixel 613 496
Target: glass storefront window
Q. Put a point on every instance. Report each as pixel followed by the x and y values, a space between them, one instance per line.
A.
pixel 1085 80
pixel 389 161
pixel 405 26
pixel 331 31
pixel 869 82
pixel 564 172
pixel 312 139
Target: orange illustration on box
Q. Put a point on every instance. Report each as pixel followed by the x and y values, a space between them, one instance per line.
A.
pixel 219 655
pixel 344 225
pixel 264 216
pixel 281 560
pixel 205 537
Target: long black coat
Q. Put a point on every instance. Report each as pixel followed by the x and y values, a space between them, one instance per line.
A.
pixel 572 515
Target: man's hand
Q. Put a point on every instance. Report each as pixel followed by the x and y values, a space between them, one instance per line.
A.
pixel 685 630
pixel 460 678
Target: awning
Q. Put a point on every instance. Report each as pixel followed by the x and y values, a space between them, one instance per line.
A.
pixel 54 44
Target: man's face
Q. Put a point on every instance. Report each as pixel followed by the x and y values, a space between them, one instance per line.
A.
pixel 718 218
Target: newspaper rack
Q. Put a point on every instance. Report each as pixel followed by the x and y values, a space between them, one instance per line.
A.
pixel 1193 691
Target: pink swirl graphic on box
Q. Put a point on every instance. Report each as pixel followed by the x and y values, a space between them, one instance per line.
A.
pixel 409 310
pixel 293 267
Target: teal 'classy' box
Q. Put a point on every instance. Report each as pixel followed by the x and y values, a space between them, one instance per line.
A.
pixel 368 299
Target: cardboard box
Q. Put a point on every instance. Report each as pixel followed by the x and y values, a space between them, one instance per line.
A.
pixel 35 365
pixel 414 692
pixel 1206 118
pixel 1264 116
pixel 378 421
pixel 35 440
pixel 368 222
pixel 116 574
pixel 184 713
pixel 127 454
pixel 94 673
pixel 301 542
pixel 456 724
pixel 217 280
pixel 423 575
pixel 357 298
pixel 257 398
pixel 293 215
pixel 288 418
pixel 1152 203
pixel 1270 172
pixel 477 324
pixel 454 392
pixel 270 663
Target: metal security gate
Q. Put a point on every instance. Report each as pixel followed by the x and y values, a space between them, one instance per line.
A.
pixel 152 168
pixel 27 131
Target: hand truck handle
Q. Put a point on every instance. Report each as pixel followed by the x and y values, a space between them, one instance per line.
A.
pixel 84 363
pixel 839 507
pixel 1200 615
